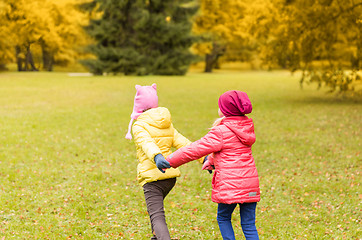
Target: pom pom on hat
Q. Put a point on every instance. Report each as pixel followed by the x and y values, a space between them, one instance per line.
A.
pixel 146 98
pixel 235 103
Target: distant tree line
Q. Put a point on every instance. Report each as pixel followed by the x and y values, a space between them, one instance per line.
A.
pixel 321 38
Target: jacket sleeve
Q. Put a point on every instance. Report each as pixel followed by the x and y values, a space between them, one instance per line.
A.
pixel 179 140
pixel 143 139
pixel 211 142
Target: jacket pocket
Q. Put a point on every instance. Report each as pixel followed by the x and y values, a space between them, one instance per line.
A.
pixel 213 182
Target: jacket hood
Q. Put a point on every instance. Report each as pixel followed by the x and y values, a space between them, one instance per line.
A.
pixel 242 127
pixel 157 117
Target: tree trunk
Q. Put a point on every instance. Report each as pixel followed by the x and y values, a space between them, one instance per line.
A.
pixel 354 62
pixel 358 60
pixel 19 59
pixel 217 64
pixel 48 59
pixel 208 63
pixel 29 60
pixel 3 67
pixel 212 58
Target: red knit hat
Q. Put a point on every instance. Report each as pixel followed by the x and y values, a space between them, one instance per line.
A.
pixel 235 103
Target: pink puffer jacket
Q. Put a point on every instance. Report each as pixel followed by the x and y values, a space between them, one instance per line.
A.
pixel 235 178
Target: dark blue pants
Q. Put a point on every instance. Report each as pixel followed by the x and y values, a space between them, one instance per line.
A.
pixel 247 220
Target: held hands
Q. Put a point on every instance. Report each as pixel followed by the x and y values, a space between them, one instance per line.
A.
pixel 207 165
pixel 161 162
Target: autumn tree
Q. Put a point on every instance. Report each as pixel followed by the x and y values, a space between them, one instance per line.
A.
pixel 141 37
pixel 6 52
pixel 45 29
pixel 321 38
pixel 66 38
pixel 222 26
pixel 21 19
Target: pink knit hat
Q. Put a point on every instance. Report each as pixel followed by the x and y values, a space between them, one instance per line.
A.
pixel 146 98
pixel 235 103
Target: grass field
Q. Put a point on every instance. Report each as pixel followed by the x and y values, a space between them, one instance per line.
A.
pixel 66 170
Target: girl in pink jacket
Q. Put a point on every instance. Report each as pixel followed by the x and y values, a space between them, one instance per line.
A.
pixel 235 180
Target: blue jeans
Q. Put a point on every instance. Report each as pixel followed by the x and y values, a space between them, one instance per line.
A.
pixel 247 220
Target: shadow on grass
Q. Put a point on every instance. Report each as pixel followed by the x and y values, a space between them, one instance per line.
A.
pixel 327 99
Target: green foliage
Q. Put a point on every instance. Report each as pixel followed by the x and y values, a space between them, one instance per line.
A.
pixel 66 170
pixel 321 38
pixel 348 83
pixel 142 37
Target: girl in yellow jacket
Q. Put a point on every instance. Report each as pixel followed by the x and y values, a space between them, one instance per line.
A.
pixel 154 135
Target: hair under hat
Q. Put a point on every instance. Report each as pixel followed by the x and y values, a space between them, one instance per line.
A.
pixel 146 98
pixel 235 103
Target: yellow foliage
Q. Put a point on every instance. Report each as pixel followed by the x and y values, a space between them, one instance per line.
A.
pixel 54 25
pixel 6 53
pixel 202 48
pixel 223 23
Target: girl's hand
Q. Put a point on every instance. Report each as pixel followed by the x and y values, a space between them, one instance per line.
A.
pixel 161 162
pixel 207 166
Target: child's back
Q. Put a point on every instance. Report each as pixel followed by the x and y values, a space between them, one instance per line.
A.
pixel 154 134
pixel 236 173
pixel 235 181
pixel 236 178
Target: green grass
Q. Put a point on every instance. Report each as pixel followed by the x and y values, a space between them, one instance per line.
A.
pixel 66 170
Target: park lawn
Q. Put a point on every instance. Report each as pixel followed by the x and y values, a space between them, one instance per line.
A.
pixel 66 170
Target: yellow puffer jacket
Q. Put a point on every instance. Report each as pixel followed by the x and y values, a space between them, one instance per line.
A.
pixel 153 134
